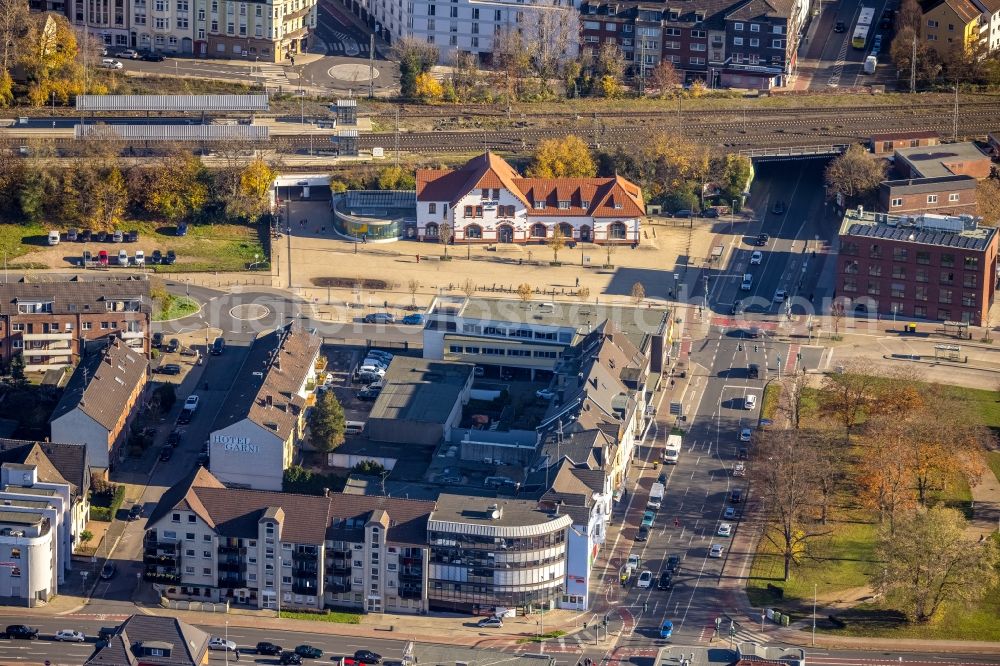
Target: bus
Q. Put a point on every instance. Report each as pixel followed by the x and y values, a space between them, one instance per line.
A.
pixel 861 28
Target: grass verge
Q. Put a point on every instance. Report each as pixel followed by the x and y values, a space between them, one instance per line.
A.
pixel 993 460
pixel 13 239
pixel 330 616
pixel 174 307
pixel 769 403
pixel 543 637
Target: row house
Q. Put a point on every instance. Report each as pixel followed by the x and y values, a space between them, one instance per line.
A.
pixel 930 267
pixel 262 30
pixel 51 322
pixel 487 201
pixel 261 549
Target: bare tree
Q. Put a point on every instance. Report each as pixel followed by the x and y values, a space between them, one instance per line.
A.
pixel 412 286
pixel 512 61
pixel 583 293
pixel 469 288
pixel 663 79
pixel 837 313
pixel 846 394
pixel 638 293
pixel 552 33
pixel 445 234
pixel 524 292
pixel 784 476
pixel 13 25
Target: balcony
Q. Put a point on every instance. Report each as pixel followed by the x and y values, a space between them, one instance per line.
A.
pixel 232 581
pixel 337 585
pixel 169 578
pixel 132 335
pixel 161 560
pixel 407 592
pixel 230 548
pixel 151 546
pixel 340 566
pixel 417 573
pixel 48 336
pixel 306 568
pixel 305 587
pixel 305 555
pixel 231 564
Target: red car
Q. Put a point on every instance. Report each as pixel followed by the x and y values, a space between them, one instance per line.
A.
pixel 102 258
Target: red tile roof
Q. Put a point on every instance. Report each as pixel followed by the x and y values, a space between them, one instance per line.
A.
pixel 597 197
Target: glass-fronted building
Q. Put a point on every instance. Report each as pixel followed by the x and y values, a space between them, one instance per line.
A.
pixel 375 215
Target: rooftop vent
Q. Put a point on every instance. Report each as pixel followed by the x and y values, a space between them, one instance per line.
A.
pixel 495 511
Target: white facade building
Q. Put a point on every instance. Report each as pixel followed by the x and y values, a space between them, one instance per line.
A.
pixel 486 201
pixel 254 437
pixel 34 536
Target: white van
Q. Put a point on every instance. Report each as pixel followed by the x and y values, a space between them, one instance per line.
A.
pixel 750 402
pixel 871 62
pixel 672 453
pixel 53 237
pixel 373 369
pixel 354 427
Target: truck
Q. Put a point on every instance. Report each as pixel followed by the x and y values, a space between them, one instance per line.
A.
pixel 673 451
pixel 655 496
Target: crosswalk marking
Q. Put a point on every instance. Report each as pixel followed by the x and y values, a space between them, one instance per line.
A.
pixel 274 73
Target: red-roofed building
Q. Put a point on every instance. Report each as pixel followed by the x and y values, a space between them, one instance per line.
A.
pixel 487 201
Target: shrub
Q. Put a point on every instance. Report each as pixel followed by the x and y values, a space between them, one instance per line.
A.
pixel 369 467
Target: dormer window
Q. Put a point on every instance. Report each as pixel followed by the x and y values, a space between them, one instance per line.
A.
pixel 539 205
pixel 699 16
pixel 674 14
pixel 33 307
pixel 585 204
pixel 563 204
pixel 616 205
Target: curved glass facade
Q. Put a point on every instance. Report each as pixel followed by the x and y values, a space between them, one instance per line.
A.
pixel 374 214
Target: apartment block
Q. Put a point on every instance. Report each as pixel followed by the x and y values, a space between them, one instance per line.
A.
pixel 49 322
pixel 924 267
pixel 107 21
pixel 269 550
pixel 945 195
pixel 952 26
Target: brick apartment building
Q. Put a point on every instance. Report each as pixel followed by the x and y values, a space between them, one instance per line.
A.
pixel 743 43
pixel 927 267
pixel 945 195
pixel 951 159
pixel 887 144
pixel 48 321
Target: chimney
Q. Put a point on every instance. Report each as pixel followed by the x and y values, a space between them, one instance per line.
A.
pixel 326 492
pixel 277 363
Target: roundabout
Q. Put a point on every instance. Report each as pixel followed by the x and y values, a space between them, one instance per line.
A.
pixel 353 73
pixel 249 311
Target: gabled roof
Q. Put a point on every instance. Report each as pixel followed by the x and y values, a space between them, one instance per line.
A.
pixel 762 9
pixel 56 463
pixel 102 384
pixel 483 171
pixel 187 645
pixel 306 519
pixel 597 197
pixel 963 9
pixel 266 392
pixel 75 296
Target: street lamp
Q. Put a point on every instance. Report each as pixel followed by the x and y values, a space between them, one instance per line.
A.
pixel 732 215
pixel 814 615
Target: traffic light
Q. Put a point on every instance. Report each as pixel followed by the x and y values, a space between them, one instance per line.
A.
pixel 756 348
pixel 739 347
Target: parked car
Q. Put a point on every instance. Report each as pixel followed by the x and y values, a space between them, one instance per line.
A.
pixel 54 237
pixel 169 258
pixel 376 361
pixel 174 438
pixel 756 257
pixel 150 56
pixel 490 623
pixel 131 236
pixel 85 236
pixel 185 417
pixel 642 535
pixel 22 631
pixel 118 236
pixel 140 258
pixel 191 402
pixel 778 208
pixel 169 369
pixel 729 513
pixel 109 570
pixel 725 529
pixel 156 257
pixel 101 237
pixel 380 318
pixel 135 513
pixel 367 657
pixel 372 370
pixel 70 636
pixel 710 213
pixel 173 345
pixel 308 651
pixel 761 239
pixel 368 394
pixel 716 550
pixel 123 257
pixel 378 353
pixel 102 258
pixel 289 657
pixel 267 647
pixel 131 54
pixel 369 377
pixel 739 470
pixel 157 340
pixel 218 346
pixel 111 63
pixel 736 496
pixel 72 235
pixel 166 453
pixel 217 643
pixel 683 213
pixel 182 229
pixel 647 518
pixel 545 394
pixel 645 579
pixel 415 319
pixel 87 258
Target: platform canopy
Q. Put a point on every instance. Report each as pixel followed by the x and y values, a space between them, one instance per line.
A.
pixel 189 103
pixel 255 133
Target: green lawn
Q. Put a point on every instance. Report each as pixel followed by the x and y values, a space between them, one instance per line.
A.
pixel 175 307
pixel 993 460
pixel 331 616
pixel 13 236
pixel 769 403
pixel 984 402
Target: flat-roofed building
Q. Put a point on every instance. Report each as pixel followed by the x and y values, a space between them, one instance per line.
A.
pixel 950 159
pixel 943 195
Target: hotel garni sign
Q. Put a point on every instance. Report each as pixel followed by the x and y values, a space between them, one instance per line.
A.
pixel 236 444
